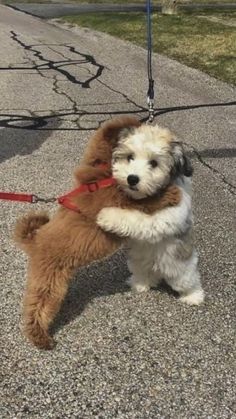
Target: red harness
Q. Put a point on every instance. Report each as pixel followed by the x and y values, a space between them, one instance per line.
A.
pixel 64 200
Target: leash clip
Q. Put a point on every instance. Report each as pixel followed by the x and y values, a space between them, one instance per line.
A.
pixel 36 199
pixel 150 103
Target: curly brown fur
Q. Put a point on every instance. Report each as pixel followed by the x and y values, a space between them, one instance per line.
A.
pixel 27 227
pixel 70 239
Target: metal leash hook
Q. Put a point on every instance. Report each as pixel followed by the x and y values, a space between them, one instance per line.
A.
pixel 150 110
pixel 150 102
pixel 36 199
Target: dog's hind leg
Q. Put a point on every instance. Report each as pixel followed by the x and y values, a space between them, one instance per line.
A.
pixel 45 291
pixel 142 278
pixel 186 281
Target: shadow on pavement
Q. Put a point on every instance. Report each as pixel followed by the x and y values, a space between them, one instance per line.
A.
pixel 34 122
pixel 162 111
pixel 96 281
pixel 36 129
pixel 21 143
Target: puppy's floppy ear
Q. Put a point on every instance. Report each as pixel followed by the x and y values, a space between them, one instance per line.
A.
pixel 105 139
pixel 111 130
pixel 182 164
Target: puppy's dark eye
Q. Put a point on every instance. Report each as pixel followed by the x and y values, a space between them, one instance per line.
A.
pixel 130 157
pixel 153 163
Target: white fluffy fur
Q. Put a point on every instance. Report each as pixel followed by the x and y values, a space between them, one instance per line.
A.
pixel 160 245
pixel 143 150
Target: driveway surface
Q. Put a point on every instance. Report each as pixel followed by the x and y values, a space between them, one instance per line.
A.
pixel 118 354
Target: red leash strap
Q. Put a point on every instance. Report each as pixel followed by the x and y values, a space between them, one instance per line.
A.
pixel 17 197
pixel 64 200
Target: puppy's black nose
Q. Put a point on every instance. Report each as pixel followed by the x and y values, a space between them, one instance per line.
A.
pixel 133 180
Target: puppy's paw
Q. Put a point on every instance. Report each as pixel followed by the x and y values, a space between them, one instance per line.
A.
pixel 137 286
pixel 109 219
pixel 42 342
pixel 105 217
pixel 194 298
pixel 39 337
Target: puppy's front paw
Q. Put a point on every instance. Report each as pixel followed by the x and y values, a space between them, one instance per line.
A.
pixel 106 218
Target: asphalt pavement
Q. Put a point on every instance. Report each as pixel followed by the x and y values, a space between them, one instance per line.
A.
pixel 118 354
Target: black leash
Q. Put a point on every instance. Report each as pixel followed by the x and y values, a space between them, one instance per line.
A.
pixel 150 92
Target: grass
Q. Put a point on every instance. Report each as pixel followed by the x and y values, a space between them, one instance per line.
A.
pixel 195 41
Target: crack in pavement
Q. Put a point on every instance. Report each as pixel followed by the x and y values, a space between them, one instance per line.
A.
pixel 89 59
pixel 53 65
pixel 126 98
pixel 56 88
pixel 230 186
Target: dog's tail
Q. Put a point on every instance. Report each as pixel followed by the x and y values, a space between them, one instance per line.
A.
pixel 26 229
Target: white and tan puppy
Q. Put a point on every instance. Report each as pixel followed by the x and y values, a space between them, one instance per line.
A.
pixel 146 160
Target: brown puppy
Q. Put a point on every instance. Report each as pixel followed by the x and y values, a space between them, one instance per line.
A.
pixel 72 239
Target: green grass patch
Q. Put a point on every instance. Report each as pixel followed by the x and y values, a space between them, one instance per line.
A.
pixel 188 38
